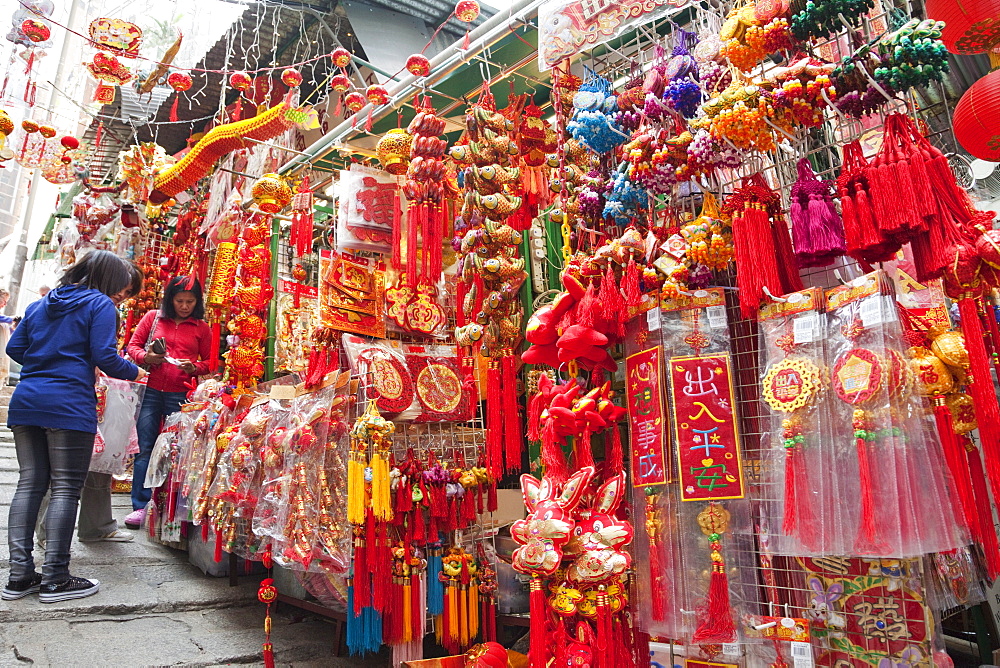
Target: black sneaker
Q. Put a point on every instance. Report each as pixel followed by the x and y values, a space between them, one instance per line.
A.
pixel 16 589
pixel 69 589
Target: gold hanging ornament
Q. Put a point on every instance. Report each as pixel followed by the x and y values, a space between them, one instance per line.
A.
pixel 393 151
pixel 271 194
pixel 370 428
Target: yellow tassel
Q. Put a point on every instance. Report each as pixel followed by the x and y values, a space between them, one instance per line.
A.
pixel 463 615
pixel 355 491
pixel 453 614
pixel 407 617
pixel 438 628
pixel 473 610
pixel 381 494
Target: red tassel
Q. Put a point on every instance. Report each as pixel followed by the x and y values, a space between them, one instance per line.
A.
pixel 790 520
pixel 97 135
pixel 491 497
pixel 213 358
pixel 412 225
pixel 553 459
pixel 268 655
pixel 513 441
pixel 173 108
pixel 717 619
pixel 494 420
pixel 614 455
pixel 867 540
pixel 537 631
pixel 752 235
pixel 630 289
pixel 582 454
pixel 985 532
pixel 218 547
pixel 657 574
pixel 204 533
pixel 465 41
pixel 419 526
pixel 965 509
pixel 237 110
pixel 397 236
pixel 983 395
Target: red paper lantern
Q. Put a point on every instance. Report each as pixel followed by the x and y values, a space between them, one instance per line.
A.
pixel 29 126
pixel 341 57
pixel 977 118
pixel 70 143
pixel 47 131
pixel 291 77
pixel 340 83
pixel 35 30
pixel 180 81
pixel 970 26
pixel 355 101
pixel 467 10
pixel 377 94
pixel 418 65
pixel 241 81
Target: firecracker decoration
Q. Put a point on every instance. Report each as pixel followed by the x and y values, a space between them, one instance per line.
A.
pixel 217 142
pixel 301 234
pixel 267 594
pixel 716 616
pixel 253 291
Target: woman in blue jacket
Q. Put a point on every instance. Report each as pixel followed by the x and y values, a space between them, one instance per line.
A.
pixel 53 414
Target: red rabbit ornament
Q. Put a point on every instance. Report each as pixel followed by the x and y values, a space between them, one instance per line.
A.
pixel 599 538
pixel 549 524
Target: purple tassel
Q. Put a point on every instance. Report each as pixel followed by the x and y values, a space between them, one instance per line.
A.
pixel 817 230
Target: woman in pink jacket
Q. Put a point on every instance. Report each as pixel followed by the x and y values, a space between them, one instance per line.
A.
pixel 180 323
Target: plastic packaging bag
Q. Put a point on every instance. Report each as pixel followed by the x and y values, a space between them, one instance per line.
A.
pixel 118 408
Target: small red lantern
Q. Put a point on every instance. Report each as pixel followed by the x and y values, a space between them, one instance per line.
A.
pixel 291 77
pixel 970 26
pixel 299 273
pixel 35 30
pixel 180 81
pixel 355 101
pixel 340 83
pixel 377 94
pixel 977 118
pixel 418 65
pixel 467 11
pixel 341 57
pixel 29 126
pixel 70 143
pixel 241 81
pixel 47 131
pixel 65 159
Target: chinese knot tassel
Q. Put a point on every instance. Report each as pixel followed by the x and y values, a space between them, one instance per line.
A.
pixel 513 442
pixel 537 631
pixel 981 388
pixel 381 492
pixel 751 234
pixel 173 108
pixel 867 540
pixel 494 420
pixel 717 620
pixel 965 509
pixel 985 533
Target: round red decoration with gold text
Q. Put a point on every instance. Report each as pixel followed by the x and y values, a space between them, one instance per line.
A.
pixel 858 376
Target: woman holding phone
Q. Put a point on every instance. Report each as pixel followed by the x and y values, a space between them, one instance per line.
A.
pixel 175 344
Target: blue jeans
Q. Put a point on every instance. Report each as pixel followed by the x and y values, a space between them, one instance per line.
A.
pixel 49 459
pixel 156 405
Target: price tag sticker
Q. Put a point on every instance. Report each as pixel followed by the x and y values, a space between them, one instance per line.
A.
pixel 731 649
pixel 653 319
pixel 716 316
pixel 871 312
pixel 806 328
pixel 802 655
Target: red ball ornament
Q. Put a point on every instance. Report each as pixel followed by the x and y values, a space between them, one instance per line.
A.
pixel 241 81
pixel 977 118
pixel 299 273
pixel 35 30
pixel 341 57
pixel 29 125
pixel 47 131
pixel 70 143
pixel 970 26
pixel 418 65
pixel 291 78
pixel 65 159
pixel 355 101
pixel 377 94
pixel 340 83
pixel 467 10
pixel 180 81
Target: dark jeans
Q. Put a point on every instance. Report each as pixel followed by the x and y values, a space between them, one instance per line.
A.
pixel 156 405
pixel 55 460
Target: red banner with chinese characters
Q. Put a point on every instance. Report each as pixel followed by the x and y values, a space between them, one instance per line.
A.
pixel 646 419
pixel 708 442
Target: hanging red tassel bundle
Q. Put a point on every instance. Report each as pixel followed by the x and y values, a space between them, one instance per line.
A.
pixel 716 616
pixel 864 239
pixel 513 441
pixel 494 419
pixel 981 388
pixel 985 532
pixel 868 540
pixel 537 631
